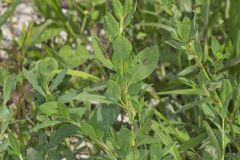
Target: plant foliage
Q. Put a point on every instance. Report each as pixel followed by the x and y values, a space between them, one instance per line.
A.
pixel 130 80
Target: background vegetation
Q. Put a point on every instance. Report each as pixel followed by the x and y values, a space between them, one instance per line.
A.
pixel 120 79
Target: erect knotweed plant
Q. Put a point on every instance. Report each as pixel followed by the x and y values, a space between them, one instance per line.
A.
pixel 215 90
pixel 129 70
pixel 120 80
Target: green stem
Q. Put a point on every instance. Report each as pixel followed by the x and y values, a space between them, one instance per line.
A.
pixel 133 137
pixel 223 141
pixel 97 142
pixel 83 23
pixel 206 74
pixel 199 63
pixel 121 26
pixel 128 108
pixel 20 157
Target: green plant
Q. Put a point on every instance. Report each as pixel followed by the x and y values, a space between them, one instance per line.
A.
pixel 130 80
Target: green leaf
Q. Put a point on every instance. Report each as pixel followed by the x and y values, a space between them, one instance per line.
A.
pixel 191 105
pixel 112 27
pixel 193 142
pixel 165 139
pixel 187 81
pixel 67 96
pixel 9 11
pixel 79 111
pixel 184 29
pixel 58 79
pixel 49 33
pixel 230 63
pixel 14 144
pixel 93 132
pixel 80 74
pixel 143 140
pixel 213 138
pixel 193 91
pixel 167 150
pixel 216 49
pixel 34 155
pixel 143 64
pixel 56 8
pixel 225 96
pixel 209 111
pixel 45 124
pixel 226 90
pixel 33 81
pixel 158 26
pixel 4 146
pixel 99 55
pixel 73 57
pixel 38 34
pixel 135 89
pixel 49 108
pixel 9 86
pixel 128 7
pixel 209 153
pixel 113 90
pixel 5 116
pixel 128 11
pixel 3 75
pixel 46 66
pixel 86 97
pixel 124 138
pixel 215 46
pixel 63 111
pixel 198 48
pixel 118 9
pixel 188 70
pixel 175 44
pixel 122 49
pixel 224 109
pixel 34 34
pixel 60 134
pixel 154 151
pixel 105 116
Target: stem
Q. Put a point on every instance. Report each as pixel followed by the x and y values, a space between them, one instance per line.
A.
pixel 121 25
pixel 128 108
pixel 20 59
pixel 99 143
pixel 223 141
pixel 83 24
pixel 133 137
pixel 21 104
pixel 206 74
pixel 20 157
pixel 133 141
pixel 199 63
